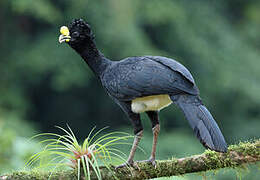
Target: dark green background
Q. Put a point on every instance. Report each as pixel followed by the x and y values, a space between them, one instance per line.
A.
pixel 43 83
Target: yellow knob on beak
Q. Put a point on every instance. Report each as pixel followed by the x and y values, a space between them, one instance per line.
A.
pixel 65 34
pixel 64 30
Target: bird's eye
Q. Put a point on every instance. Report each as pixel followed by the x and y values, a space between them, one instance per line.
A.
pixel 75 34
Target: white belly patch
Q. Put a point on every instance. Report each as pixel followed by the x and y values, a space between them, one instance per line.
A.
pixel 150 103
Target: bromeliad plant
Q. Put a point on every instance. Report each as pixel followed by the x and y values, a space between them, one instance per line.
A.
pixel 62 151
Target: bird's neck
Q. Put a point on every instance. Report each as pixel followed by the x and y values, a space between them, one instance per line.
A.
pixel 94 58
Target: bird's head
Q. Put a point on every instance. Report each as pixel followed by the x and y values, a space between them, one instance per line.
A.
pixel 77 34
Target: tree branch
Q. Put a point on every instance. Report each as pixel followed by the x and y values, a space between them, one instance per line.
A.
pixel 237 155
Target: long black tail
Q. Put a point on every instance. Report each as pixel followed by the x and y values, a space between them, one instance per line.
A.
pixel 201 121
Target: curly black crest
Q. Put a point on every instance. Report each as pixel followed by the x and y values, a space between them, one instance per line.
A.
pixel 81 26
pixel 81 34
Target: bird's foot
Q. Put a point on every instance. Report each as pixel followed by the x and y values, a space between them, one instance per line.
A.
pixel 129 164
pixel 123 165
pixel 151 161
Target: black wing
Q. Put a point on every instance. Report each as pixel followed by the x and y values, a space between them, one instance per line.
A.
pixel 149 75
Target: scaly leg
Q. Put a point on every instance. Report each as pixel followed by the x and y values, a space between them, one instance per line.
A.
pixel 138 130
pixel 130 160
pixel 154 117
pixel 156 130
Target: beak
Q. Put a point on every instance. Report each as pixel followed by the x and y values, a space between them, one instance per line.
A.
pixel 65 34
pixel 64 38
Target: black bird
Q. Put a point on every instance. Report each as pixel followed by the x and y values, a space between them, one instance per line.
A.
pixel 146 84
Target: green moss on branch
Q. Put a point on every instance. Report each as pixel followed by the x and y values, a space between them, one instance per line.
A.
pixel 237 155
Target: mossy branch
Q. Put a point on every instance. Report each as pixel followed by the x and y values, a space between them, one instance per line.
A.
pixel 237 155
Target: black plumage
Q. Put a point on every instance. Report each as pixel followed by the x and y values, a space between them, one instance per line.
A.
pixel 148 75
pixel 162 80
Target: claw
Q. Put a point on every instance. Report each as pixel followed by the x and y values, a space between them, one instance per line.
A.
pixel 122 165
pixel 129 164
pixel 150 160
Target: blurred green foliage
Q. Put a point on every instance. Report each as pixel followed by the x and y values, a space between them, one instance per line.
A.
pixel 15 148
pixel 43 83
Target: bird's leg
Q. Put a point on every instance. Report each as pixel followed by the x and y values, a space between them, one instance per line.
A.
pixel 156 130
pixel 154 117
pixel 137 139
pixel 138 130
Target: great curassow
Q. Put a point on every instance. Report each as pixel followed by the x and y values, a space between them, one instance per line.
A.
pixel 146 84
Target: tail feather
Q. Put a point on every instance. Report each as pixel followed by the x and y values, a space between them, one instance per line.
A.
pixel 201 121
